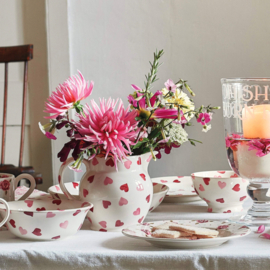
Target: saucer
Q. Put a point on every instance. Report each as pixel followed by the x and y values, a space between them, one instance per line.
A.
pixel 180 189
pixel 227 231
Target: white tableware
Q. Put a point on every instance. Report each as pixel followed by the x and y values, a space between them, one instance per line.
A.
pixel 223 191
pixel 45 219
pixel 121 197
pixel 227 231
pixel 8 185
pixel 180 189
pixel 159 192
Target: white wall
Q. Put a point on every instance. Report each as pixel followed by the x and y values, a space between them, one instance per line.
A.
pixel 112 41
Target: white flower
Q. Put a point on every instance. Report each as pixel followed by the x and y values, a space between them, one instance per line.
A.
pixel 180 98
pixel 176 133
pixel 206 128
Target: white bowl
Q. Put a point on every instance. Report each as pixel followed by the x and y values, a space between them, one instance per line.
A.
pixel 180 189
pixel 45 219
pixel 159 193
pixel 223 191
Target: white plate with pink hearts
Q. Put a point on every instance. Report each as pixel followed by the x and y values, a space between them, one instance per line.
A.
pixel 180 189
pixel 227 231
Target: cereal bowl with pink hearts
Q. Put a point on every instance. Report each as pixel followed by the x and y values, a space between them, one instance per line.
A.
pixel 223 191
pixel 45 219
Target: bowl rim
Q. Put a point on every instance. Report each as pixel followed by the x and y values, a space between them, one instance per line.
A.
pixel 199 175
pixel 161 191
pixel 2 207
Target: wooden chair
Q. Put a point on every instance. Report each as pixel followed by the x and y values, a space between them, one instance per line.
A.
pixel 24 54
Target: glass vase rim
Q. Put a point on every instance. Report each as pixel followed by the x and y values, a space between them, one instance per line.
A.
pixel 240 79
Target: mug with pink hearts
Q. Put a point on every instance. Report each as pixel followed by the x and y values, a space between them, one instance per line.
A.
pixel 8 185
pixel 223 191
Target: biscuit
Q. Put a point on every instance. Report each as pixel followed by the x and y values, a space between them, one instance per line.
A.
pixel 192 237
pixel 194 230
pixel 205 236
pixel 165 234
pixel 164 226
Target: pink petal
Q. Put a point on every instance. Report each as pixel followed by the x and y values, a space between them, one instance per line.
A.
pixel 50 136
pixel 261 229
pixel 265 235
pixel 136 87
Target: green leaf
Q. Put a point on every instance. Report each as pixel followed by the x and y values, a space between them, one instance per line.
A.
pixel 155 133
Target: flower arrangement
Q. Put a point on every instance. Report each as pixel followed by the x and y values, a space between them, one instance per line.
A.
pixel 152 121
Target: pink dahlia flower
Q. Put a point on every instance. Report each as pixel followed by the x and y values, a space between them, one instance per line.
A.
pixel 67 94
pixel 204 118
pixel 112 127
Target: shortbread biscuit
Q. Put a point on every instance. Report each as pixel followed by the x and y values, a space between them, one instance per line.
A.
pixel 165 234
pixel 193 230
pixel 164 226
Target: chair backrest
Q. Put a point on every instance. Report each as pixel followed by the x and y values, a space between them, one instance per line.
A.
pixel 24 54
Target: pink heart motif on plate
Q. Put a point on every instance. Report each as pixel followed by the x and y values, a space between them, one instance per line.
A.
pixel 50 215
pixel 64 225
pixel 137 212
pixel 123 201
pixel 56 237
pixel 163 181
pixel 119 223
pixel 201 188
pixel 221 184
pixel 22 231
pixel 220 200
pixel 176 181
pixel 222 172
pixel 128 164
pixel 108 181
pixel 103 224
pixel 29 203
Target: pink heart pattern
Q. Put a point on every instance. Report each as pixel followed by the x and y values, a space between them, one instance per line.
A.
pixel 221 184
pixel 108 181
pixel 106 204
pixel 201 188
pixel 103 224
pixel 50 215
pixel 37 232
pixel 29 203
pixel 123 201
pixel 119 223
pixel 95 161
pixel 22 231
pixel 137 212
pixel 64 225
pixel 127 164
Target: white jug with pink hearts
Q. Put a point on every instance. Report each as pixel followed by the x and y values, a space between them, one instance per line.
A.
pixel 121 198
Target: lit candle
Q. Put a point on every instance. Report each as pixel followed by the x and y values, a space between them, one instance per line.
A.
pixel 256 121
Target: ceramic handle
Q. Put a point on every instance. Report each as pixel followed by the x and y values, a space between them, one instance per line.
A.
pixel 7 212
pixel 32 184
pixel 61 180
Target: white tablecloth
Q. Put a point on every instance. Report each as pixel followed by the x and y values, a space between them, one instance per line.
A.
pixel 99 250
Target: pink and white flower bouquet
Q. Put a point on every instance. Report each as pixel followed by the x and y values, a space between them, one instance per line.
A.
pixel 152 121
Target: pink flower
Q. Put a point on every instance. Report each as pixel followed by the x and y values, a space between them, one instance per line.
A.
pixel 169 84
pixel 261 229
pixel 204 118
pixel 231 141
pixel 265 235
pixel 262 146
pixel 67 94
pixel 113 128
